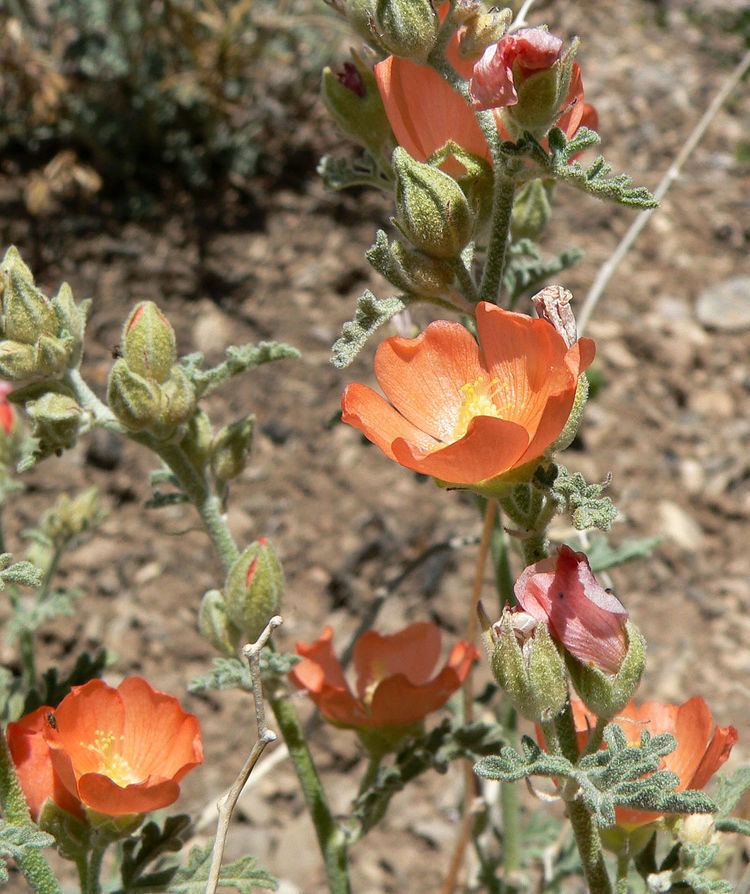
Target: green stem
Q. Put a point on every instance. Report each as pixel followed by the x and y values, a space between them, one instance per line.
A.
pixel 623 865
pixel 207 503
pixel 560 738
pixel 91 403
pixel 32 864
pixel 466 281
pixel 28 660
pixel 535 548
pixel 331 838
pixel 504 190
pixel 511 812
pixel 371 773
pixel 91 883
pixel 595 737
pixel 501 564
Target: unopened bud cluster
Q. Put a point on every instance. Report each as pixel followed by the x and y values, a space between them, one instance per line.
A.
pixel 252 595
pixel 407 28
pixel 40 337
pixel 147 390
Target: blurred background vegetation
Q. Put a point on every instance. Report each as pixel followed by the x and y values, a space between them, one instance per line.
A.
pixel 140 97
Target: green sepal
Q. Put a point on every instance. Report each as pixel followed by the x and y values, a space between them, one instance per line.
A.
pixel 134 400
pixel 531 211
pixel 198 437
pixel 27 312
pixel 605 695
pixel 72 835
pixel 72 321
pixel 178 399
pixel 17 361
pixel 570 429
pixel 215 625
pixel 55 421
pixel 541 95
pixel 410 271
pixel 231 447
pixel 407 28
pixel 52 355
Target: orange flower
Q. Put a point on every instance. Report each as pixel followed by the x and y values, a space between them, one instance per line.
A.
pixel 701 747
pixel 465 412
pixel 33 762
pixel 425 112
pixel 394 683
pixel 123 750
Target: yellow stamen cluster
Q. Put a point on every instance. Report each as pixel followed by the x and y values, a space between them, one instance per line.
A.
pixel 482 397
pixel 111 762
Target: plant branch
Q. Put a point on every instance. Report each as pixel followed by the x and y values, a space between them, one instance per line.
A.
pixel 228 802
pixel 607 270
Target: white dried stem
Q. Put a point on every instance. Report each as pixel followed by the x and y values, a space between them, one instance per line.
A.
pixel 228 801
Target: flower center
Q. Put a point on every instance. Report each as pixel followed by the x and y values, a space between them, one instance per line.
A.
pixel 482 397
pixel 378 672
pixel 111 762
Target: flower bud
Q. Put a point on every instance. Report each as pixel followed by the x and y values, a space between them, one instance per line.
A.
pixel 135 401
pixel 55 419
pixel 607 694
pixel 27 313
pixel 526 664
pixel 531 212
pixel 72 320
pixel 71 516
pixel 230 449
pixel 51 356
pixel 541 90
pixel 215 625
pixel 254 588
pixel 483 30
pixel 198 436
pixel 410 271
pixel 148 343
pixel 433 212
pixel 353 99
pixel 582 616
pixel 407 28
pixel 17 361
pixel 177 401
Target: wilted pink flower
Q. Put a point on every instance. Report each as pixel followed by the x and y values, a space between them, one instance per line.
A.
pixel 531 49
pixel 586 619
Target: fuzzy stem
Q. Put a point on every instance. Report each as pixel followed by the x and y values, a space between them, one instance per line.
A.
pixel 623 864
pixel 207 503
pixel 501 563
pixel 466 282
pixel 331 838
pixel 92 883
pixel 504 190
pixel 371 773
pixel 561 739
pixel 32 864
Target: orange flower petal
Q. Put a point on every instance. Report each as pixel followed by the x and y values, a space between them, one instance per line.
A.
pixel 412 652
pixel 161 739
pixel 321 674
pixel 378 421
pixel 31 756
pixel 100 793
pixel 719 749
pixel 422 377
pixel 425 112
pixel 85 712
pixel 490 447
pixel 398 702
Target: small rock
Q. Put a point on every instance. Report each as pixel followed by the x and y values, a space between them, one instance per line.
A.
pixel 680 526
pixel 213 331
pixel 104 450
pixel 726 306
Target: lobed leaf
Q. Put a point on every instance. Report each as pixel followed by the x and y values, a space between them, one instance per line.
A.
pixel 243 875
pixel 371 314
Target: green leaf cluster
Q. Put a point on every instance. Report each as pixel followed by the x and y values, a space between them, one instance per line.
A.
pixel 526 269
pixel 243 875
pixel 16 842
pixel 619 776
pixel 143 867
pixel 587 504
pixel 240 359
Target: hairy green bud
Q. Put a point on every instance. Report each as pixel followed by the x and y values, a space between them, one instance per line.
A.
pixel 72 320
pixel 254 588
pixel 604 694
pixel 353 99
pixel 198 436
pixel 134 400
pixel 541 96
pixel 17 361
pixel 433 212
pixel 215 625
pixel 231 447
pixel 55 419
pixel 410 271
pixel 177 400
pixel 148 343
pixel 407 28
pixel 27 312
pixel 527 665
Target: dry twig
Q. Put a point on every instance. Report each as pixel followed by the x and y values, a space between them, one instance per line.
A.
pixel 227 802
pixel 605 273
